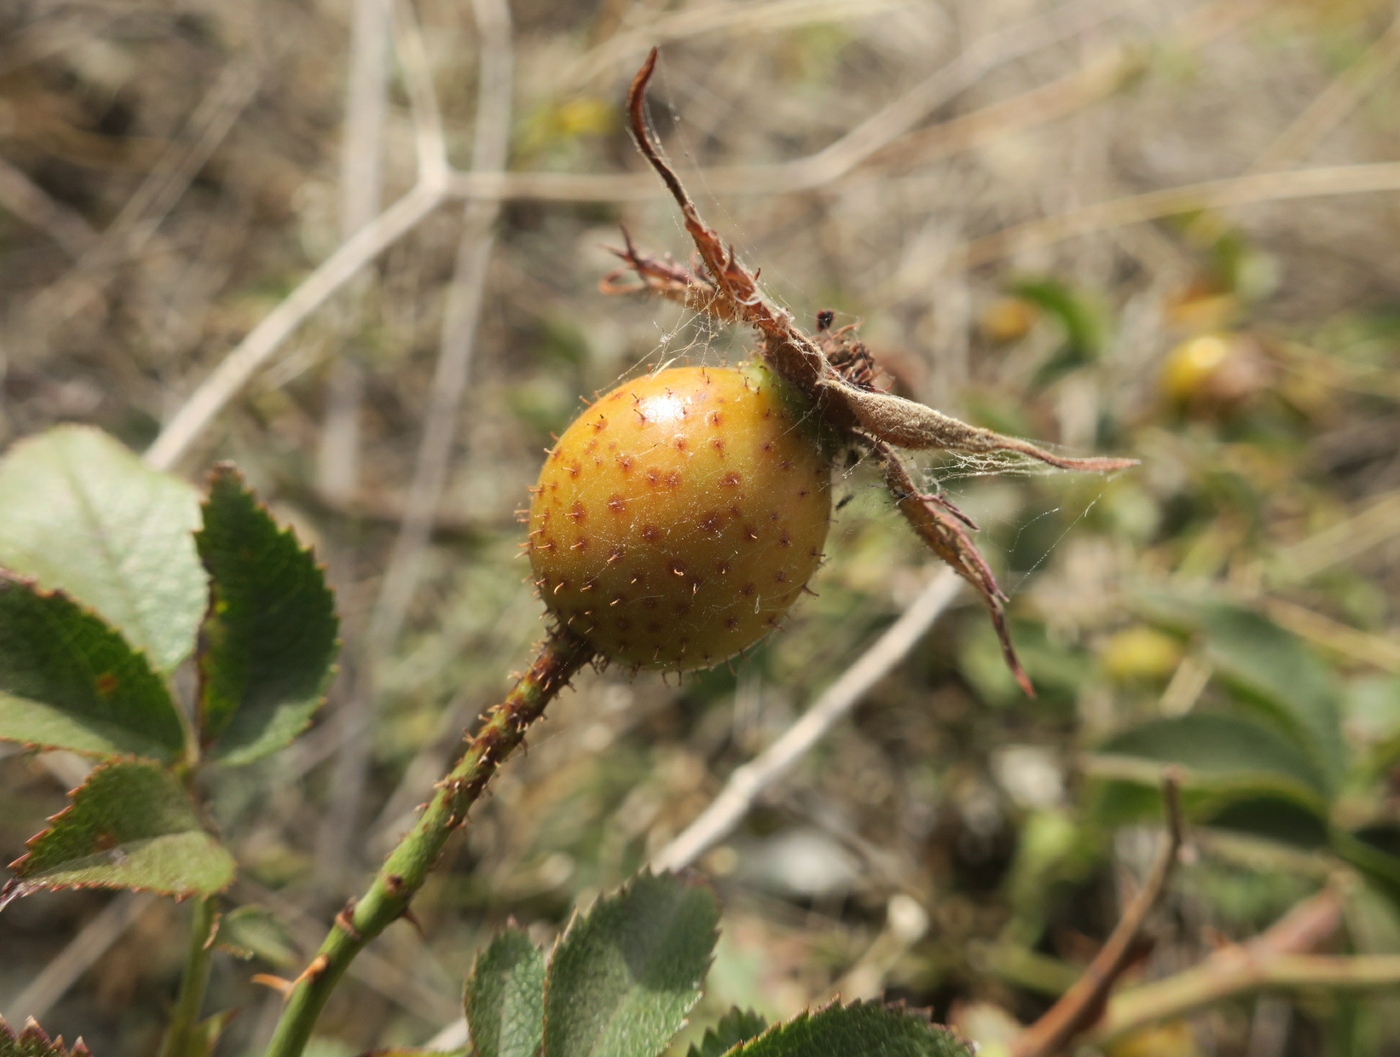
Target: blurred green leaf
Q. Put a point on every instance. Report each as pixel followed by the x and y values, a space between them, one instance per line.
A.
pixel 1267 667
pixel 269 641
pixel 624 975
pixel 1224 752
pixel 1372 708
pixel 253 931
pixel 1083 317
pixel 736 1026
pixel 1279 672
pixel 504 997
pixel 1273 818
pixel 865 1029
pixel 33 1042
pixel 68 681
pixel 130 825
pixel 207 1032
pixel 80 512
pixel 1375 852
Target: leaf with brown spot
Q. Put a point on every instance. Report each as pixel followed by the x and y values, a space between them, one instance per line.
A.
pixel 130 825
pixel 69 681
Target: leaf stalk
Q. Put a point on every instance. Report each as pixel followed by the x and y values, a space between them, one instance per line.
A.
pixel 184 1023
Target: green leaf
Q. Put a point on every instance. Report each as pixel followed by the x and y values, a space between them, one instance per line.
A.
pixel 1375 852
pixel 1225 752
pixel 1266 667
pixel 1082 316
pixel 80 512
pixel 68 681
pixel 130 825
pixel 865 1029
pixel 32 1042
pixel 269 642
pixel 207 1033
pixel 253 931
pixel 1273 818
pixel 505 997
pixel 1278 672
pixel 736 1026
pixel 624 976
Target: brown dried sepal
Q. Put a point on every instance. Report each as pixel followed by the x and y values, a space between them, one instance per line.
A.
pixel 944 528
pixel 837 373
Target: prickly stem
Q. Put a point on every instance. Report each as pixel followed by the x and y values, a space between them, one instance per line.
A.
pixel 560 656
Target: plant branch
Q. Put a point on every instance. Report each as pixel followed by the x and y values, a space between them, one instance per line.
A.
pixel 456 346
pixel 180 1036
pixel 1331 108
pixel 1078 1008
pixel 262 342
pixel 1210 194
pixel 750 781
pixel 339 443
pixel 1276 958
pixel 458 336
pixel 430 142
pixel 403 873
pixel 32 204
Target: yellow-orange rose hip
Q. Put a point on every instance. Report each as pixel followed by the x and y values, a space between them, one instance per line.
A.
pixel 678 518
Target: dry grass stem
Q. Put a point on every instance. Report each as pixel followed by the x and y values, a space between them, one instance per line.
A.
pixel 20 196
pixel 134 227
pixel 79 955
pixel 1331 108
pixel 1228 193
pixel 1079 1007
pixel 749 782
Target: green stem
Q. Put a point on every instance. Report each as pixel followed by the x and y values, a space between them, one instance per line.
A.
pixel 1235 972
pixel 408 865
pixel 183 1024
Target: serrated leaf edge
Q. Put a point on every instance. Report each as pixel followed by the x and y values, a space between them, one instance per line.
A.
pixel 32 1032
pixel 228 470
pixel 19 887
pixel 695 1048
pixel 8 576
pixel 688 878
pixel 900 1007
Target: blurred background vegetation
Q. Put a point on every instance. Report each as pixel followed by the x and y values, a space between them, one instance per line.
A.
pixel 170 169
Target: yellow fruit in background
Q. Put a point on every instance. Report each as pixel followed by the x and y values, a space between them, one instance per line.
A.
pixel 1140 653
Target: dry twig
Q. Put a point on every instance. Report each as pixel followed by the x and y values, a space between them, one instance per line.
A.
pixel 1330 108
pixel 82 952
pixel 750 781
pixel 1276 958
pixel 1080 1006
pixel 1210 194
pixel 449 385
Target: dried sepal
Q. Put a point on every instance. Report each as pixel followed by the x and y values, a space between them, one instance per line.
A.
pixel 917 427
pixel 663 277
pixel 838 375
pixel 943 527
